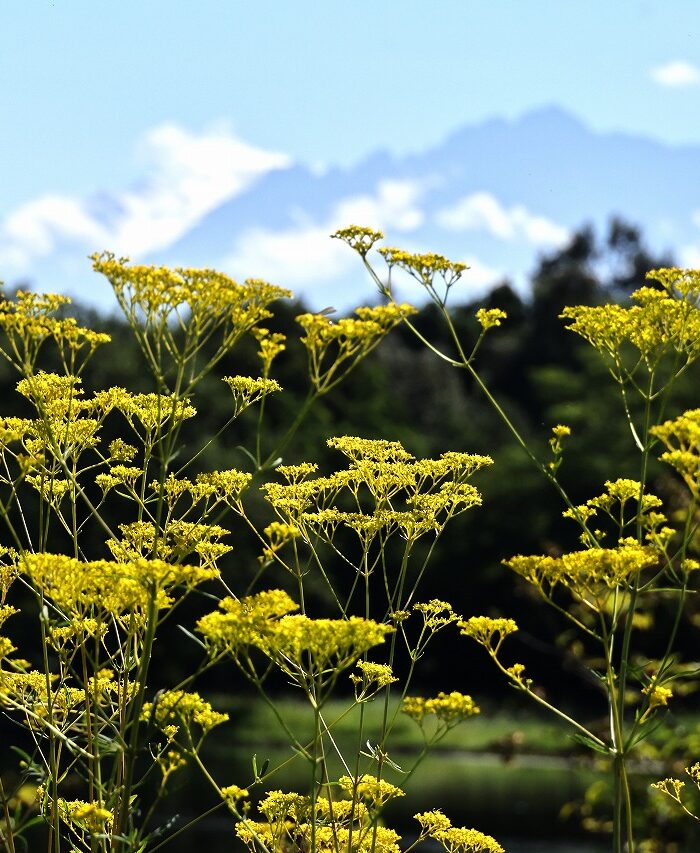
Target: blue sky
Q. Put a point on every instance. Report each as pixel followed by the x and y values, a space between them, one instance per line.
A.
pixel 84 86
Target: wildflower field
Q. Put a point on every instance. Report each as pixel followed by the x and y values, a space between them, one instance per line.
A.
pixel 121 559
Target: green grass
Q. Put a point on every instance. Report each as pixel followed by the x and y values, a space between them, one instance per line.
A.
pixel 499 732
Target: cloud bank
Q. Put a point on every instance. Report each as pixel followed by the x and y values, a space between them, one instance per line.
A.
pixel 676 75
pixel 305 254
pixel 186 176
pixel 482 211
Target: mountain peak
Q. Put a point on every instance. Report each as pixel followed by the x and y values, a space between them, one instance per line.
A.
pixel 550 117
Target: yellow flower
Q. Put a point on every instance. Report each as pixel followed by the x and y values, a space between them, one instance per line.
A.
pixel 484 629
pixel 657 694
pixel 86 817
pixel 247 390
pixel 187 709
pixel 454 839
pixel 332 344
pixel 358 238
pixel 488 318
pixel 447 708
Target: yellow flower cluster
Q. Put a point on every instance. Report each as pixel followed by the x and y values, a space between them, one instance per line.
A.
pixel 85 817
pixel 447 708
pixel 671 787
pixel 146 413
pixel 359 238
pixel 658 695
pixel 293 820
pixel 233 793
pixel 306 649
pixel 372 678
pixel 279 535
pixel 425 268
pixel 118 589
pixel 321 648
pixel 374 792
pixel 436 614
pixel 245 622
pixel 489 318
pixel 681 437
pixel 62 706
pixel 487 631
pixel 271 344
pixel 29 320
pixel 76 632
pixel 586 573
pixel 662 320
pixel 247 390
pixel 183 708
pixel 154 293
pixel 332 345
pixel 436 825
pixel 614 505
pixel 432 490
pixel 177 541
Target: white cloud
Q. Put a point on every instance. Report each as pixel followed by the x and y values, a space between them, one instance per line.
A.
pixel 187 175
pixel 483 211
pixel 305 254
pixel 690 257
pixel 676 74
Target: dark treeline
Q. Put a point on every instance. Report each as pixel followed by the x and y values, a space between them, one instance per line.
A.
pixel 542 375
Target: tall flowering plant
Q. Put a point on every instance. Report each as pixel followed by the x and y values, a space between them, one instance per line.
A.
pixel 632 560
pixel 108 734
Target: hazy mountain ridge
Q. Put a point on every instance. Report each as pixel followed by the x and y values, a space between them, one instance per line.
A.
pixel 495 194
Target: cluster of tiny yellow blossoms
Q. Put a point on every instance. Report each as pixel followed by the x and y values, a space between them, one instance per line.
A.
pixel 245 622
pixel 279 535
pixel 425 267
pixel 28 321
pixel 673 788
pixel 90 818
pixel 658 695
pixel 663 320
pixel 153 294
pixel 372 791
pixel 623 504
pixel 247 390
pixel 588 573
pixel 447 708
pixel 487 631
pixel 436 614
pixel 292 820
pixel 62 706
pixel 233 793
pixel 182 708
pixel 489 318
pixel 118 589
pixel 556 443
pixel 335 347
pixel 304 648
pixel 318 648
pixel 437 826
pixel 359 238
pixel 681 437
pixel 382 475
pixel 270 345
pixel 174 543
pixel 145 413
pixel 372 678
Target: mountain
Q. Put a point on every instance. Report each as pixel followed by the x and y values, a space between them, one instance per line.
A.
pixel 495 194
